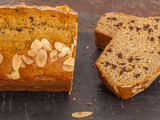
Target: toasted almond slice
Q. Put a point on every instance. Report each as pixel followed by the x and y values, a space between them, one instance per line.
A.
pixel 53 55
pixel 69 54
pixel 32 52
pixel 41 58
pixel 72 47
pixel 68 68
pixel 1 58
pixel 81 114
pixel 15 75
pixel 75 40
pixel 64 51
pixel 46 44
pixel 22 64
pixel 27 60
pixel 69 61
pixel 16 62
pixel 36 44
pixel 58 46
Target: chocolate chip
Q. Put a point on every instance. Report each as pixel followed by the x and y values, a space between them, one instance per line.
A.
pixel 16 10
pixel 121 72
pixel 109 50
pixel 156 27
pixel 3 33
pixel 31 18
pixel 114 66
pixel 130 59
pixel 137 29
pixel 107 63
pixel 120 24
pixel 131 27
pixel 137 59
pixel 133 21
pixel 120 55
pixel 117 26
pixel 137 75
pixel 108 18
pixel 159 52
pixel 157 19
pixel 52 15
pixel 145 68
pixel 146 27
pixel 152 39
pixel 19 30
pixel 122 63
pixel 114 18
pixel 150 30
pixel 159 37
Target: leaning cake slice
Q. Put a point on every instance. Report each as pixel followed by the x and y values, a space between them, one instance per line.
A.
pixel 37 48
pixel 131 61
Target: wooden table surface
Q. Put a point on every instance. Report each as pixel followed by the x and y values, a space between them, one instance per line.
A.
pixel 87 86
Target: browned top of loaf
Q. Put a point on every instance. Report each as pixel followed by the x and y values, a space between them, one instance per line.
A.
pixel 133 55
pixel 21 25
pixel 110 23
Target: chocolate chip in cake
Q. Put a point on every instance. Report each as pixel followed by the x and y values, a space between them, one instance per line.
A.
pixel 137 58
pixel 116 25
pixel 31 18
pixel 159 52
pixel 146 27
pixel 120 55
pixel 131 27
pixel 152 39
pixel 132 21
pixel 137 75
pixel 157 19
pixel 130 59
pixel 16 10
pixel 109 50
pixel 156 27
pixel 107 63
pixel 159 37
pixel 108 18
pixel 137 29
pixel 54 16
pixel 114 66
pixel 114 18
pixel 19 30
pixel 121 72
pixel 150 30
pixel 145 68
pixel 120 24
pixel 122 63
pixel 3 33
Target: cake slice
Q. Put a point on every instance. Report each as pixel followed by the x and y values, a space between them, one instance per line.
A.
pixel 37 48
pixel 131 61
pixel 107 27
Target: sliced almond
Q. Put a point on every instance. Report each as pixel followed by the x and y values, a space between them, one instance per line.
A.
pixel 16 62
pixel 27 60
pixel 32 52
pixel 53 55
pixel 58 46
pixel 41 58
pixel 69 54
pixel 1 58
pixel 46 44
pixel 116 89
pixel 75 40
pixel 72 47
pixel 68 68
pixel 36 44
pixel 81 114
pixel 69 61
pixel 64 51
pixel 15 75
pixel 134 90
pixel 22 64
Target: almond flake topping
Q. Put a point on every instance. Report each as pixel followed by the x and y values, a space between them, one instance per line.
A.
pixel 53 55
pixel 15 75
pixel 81 114
pixel 27 60
pixel 58 46
pixel 46 44
pixel 1 58
pixel 36 44
pixel 32 52
pixel 41 58
pixel 64 51
pixel 69 61
pixel 68 68
pixel 16 62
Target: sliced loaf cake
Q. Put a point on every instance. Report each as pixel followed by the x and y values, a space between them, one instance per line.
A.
pixel 107 27
pixel 131 61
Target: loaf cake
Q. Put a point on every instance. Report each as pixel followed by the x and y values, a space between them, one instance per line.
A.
pixel 131 61
pixel 107 27
pixel 37 48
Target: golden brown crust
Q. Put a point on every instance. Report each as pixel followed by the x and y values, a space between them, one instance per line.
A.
pixel 51 77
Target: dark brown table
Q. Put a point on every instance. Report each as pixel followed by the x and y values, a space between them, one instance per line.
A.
pixel 87 86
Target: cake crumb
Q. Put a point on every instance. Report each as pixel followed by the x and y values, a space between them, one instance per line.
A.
pixel 92 65
pixel 99 89
pixel 87 47
pixel 136 110
pixel 91 117
pixel 54 101
pixel 95 100
pixel 74 99
pixel 113 113
pixel 94 51
pixel 90 55
pixel 91 60
pixel 90 104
